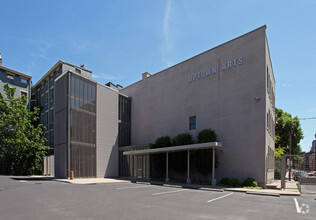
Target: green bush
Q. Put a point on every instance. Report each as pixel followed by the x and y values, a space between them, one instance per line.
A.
pixel 234 182
pixel 182 139
pixel 164 141
pixel 277 173
pixel 251 182
pixel 224 182
pixel 207 135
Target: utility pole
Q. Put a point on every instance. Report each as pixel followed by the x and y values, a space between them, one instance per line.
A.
pixel 290 170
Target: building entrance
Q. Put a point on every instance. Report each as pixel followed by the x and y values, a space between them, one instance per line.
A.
pixel 141 166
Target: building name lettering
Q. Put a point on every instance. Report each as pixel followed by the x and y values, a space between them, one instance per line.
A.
pixel 213 69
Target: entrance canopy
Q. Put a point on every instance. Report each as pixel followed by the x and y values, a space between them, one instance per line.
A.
pixel 188 148
pixel 202 146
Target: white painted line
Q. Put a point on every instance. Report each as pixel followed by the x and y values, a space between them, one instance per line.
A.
pixel 212 200
pixel 297 206
pixel 174 191
pixel 22 181
pixel 133 187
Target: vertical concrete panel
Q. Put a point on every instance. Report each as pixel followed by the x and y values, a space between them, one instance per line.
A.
pixel 61 125
pixel 107 132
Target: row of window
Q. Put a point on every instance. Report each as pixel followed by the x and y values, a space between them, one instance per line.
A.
pixel 11 76
pixel 270 124
pixel 270 89
pixel 48 118
pixel 47 97
pixel 270 159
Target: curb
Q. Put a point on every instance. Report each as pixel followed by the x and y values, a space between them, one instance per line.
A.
pixel 263 193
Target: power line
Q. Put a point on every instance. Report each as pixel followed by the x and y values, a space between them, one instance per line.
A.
pixel 307 118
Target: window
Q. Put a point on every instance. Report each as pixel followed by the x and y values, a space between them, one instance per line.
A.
pixel 23 81
pixel 9 76
pixel 51 93
pixel 46 96
pixel 46 119
pixel 78 70
pixel 52 137
pixel 51 114
pixel 23 93
pixel 192 123
pixel 42 100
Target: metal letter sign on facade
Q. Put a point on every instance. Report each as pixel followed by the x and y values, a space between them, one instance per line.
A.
pixel 213 70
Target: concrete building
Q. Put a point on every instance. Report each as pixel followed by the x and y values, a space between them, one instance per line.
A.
pixel 20 81
pixel 87 117
pixel 230 89
pixel 43 95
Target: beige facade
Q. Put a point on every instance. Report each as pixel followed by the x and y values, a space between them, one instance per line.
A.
pixel 230 89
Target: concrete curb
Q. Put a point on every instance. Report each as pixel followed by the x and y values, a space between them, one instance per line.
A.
pixel 263 193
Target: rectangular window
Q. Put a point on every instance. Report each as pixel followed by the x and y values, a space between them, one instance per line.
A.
pixel 9 76
pixel 23 93
pixel 192 123
pixel 42 100
pixel 52 93
pixel 23 81
pixel 46 117
pixel 46 96
pixel 42 118
pixel 51 114
pixel 78 70
pixel 52 137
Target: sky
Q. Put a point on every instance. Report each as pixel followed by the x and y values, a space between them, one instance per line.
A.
pixel 119 40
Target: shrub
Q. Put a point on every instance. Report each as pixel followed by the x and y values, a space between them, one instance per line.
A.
pixel 182 139
pixel 164 141
pixel 224 182
pixel 234 182
pixel 251 182
pixel 207 135
pixel 277 173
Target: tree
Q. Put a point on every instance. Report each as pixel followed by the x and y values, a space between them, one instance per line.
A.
pixel 204 158
pixel 22 145
pixel 284 125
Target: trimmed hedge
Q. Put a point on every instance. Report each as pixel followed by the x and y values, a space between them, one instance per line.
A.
pixel 250 182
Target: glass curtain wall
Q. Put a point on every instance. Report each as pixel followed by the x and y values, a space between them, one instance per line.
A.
pixel 82 127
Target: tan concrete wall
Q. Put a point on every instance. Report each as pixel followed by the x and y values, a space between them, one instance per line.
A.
pixel 225 101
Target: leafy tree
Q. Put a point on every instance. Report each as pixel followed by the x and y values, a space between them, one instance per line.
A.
pixel 182 139
pixel 203 159
pixel 284 125
pixel 158 161
pixel 22 145
pixel 207 135
pixel 164 141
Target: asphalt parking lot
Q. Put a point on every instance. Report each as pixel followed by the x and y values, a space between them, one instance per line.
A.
pixel 21 198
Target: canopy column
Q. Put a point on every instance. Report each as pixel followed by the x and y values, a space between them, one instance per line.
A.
pixel 167 167
pixel 213 168
pixel 188 163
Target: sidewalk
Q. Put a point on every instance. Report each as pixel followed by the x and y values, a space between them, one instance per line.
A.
pixel 290 190
pixel 90 181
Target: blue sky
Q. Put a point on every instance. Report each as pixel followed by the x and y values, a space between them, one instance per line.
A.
pixel 119 40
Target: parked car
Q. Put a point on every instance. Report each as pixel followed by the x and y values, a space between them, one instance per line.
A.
pixel 312 173
pixel 299 174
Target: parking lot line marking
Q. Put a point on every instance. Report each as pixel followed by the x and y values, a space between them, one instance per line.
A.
pixel 174 191
pixel 220 197
pixel 297 206
pixel 133 187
